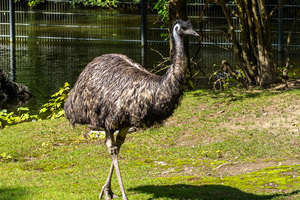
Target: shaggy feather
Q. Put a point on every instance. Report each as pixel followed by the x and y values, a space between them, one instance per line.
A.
pixel 114 92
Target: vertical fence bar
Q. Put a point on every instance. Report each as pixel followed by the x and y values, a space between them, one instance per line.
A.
pixel 12 21
pixel 280 32
pixel 12 61
pixel 143 22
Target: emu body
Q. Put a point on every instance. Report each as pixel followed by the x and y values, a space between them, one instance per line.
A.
pixel 114 93
pixel 121 93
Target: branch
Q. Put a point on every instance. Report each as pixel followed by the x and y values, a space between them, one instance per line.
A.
pixel 196 63
pixel 235 44
pixel 276 8
pixel 165 59
pixel 201 32
pixel 287 64
pixel 251 28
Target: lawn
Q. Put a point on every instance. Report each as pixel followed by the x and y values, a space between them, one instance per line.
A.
pixel 217 145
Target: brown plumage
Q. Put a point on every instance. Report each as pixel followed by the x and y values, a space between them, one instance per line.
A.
pixel 113 92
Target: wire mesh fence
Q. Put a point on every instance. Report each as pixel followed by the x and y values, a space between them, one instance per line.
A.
pixel 55 40
pixel 214 22
pixel 61 20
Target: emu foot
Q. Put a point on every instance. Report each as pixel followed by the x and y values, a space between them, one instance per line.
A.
pixel 107 192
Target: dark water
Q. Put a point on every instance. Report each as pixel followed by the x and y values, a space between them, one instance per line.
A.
pixel 45 67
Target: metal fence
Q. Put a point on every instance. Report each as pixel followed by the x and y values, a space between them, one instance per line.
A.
pixel 56 21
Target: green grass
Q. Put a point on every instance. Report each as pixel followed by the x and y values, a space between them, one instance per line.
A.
pixel 226 145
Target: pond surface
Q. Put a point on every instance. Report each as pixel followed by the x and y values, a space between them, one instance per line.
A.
pixel 45 67
pixel 44 64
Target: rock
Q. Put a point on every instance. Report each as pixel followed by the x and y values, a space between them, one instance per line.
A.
pixel 10 90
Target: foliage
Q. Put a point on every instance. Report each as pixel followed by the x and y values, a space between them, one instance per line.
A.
pixel 55 105
pixel 9 118
pixel 53 109
pixel 100 3
pixel 226 80
pixel 293 72
pixel 33 3
pixel 162 8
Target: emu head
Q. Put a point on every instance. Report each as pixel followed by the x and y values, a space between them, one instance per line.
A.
pixel 182 28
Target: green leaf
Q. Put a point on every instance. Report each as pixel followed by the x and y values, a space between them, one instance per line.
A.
pixel 23 109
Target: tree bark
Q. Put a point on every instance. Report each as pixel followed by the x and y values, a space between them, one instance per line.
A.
pixel 287 63
pixel 253 54
pixel 177 9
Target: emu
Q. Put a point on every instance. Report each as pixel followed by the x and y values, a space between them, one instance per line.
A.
pixel 115 93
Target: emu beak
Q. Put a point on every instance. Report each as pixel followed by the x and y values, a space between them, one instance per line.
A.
pixel 192 32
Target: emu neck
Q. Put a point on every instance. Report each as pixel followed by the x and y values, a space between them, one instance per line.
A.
pixel 179 60
pixel 178 48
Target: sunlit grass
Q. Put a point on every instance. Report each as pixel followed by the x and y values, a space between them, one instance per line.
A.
pixel 202 152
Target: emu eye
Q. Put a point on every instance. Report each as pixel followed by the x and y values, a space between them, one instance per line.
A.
pixel 184 28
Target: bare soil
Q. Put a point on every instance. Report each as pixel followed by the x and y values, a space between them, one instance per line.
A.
pixel 233 169
pixel 280 116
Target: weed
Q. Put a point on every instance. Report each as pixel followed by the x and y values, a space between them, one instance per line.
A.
pixel 5 157
pixel 55 105
pixel 54 109
pixel 9 118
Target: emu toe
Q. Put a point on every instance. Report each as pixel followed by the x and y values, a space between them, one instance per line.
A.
pixel 107 193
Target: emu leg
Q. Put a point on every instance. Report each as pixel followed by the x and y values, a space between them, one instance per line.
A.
pixel 120 139
pixel 114 148
pixel 106 189
pixel 114 156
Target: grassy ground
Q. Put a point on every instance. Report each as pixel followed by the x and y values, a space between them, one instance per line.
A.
pixel 226 145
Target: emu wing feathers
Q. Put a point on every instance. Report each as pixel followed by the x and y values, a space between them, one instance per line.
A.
pixel 114 92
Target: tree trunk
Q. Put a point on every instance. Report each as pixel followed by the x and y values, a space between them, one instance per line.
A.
pixel 177 9
pixel 254 52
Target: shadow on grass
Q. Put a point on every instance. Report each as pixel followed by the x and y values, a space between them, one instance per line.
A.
pixel 232 96
pixel 13 193
pixel 205 192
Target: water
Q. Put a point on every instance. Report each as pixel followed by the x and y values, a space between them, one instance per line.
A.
pixel 45 67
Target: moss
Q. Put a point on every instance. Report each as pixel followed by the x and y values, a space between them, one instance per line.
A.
pixel 271 178
pixel 279 178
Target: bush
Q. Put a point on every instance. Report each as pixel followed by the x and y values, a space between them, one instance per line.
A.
pixel 53 109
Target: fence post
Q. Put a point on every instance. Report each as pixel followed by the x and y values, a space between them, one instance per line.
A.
pixel 12 61
pixel 143 23
pixel 280 31
pixel 12 21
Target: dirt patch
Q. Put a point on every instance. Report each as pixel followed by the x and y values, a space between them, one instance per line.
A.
pixel 281 114
pixel 233 169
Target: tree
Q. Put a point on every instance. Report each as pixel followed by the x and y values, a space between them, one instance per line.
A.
pixel 177 9
pixel 253 54
pixel 253 51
